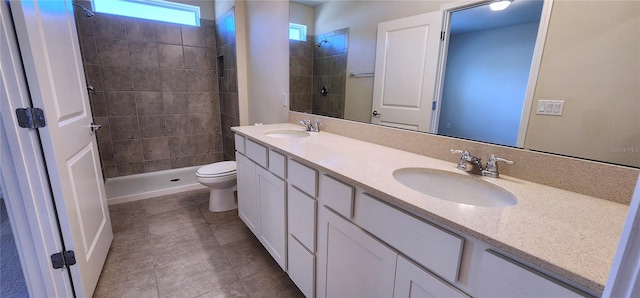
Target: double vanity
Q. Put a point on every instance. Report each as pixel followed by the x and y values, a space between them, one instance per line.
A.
pixel 347 218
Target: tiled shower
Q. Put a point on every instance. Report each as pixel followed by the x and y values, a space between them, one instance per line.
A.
pixel 165 94
pixel 320 61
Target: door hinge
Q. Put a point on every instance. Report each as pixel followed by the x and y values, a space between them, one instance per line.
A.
pixel 62 259
pixel 30 117
pixel 442 35
pixel 433 105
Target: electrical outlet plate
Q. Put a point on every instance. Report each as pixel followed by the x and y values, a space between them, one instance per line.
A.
pixel 550 107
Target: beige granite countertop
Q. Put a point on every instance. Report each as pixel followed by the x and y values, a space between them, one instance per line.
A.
pixel 572 235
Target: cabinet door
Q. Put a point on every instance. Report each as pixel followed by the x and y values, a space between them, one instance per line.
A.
pixel 413 281
pixel 350 262
pixel 248 200
pixel 272 196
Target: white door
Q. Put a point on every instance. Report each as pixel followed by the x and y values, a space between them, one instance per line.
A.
pixel 407 54
pixel 273 215
pixel 51 57
pixel 248 200
pixel 350 262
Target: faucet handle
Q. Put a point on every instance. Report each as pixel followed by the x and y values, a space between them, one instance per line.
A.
pixel 462 164
pixel 492 166
pixel 315 127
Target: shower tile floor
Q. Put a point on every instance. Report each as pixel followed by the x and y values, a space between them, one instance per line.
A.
pixel 172 246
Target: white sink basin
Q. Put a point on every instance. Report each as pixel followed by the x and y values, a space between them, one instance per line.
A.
pixel 286 134
pixel 454 187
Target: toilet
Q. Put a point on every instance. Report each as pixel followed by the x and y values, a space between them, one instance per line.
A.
pixel 220 178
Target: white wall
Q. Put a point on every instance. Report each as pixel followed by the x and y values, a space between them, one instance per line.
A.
pixel 591 61
pixel 362 18
pixel 267 56
pixel 304 15
pixel 485 83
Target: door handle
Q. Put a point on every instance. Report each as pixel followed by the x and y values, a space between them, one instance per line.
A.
pixel 376 114
pixel 94 127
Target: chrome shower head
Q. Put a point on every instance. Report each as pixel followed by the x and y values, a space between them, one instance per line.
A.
pixel 321 42
pixel 88 13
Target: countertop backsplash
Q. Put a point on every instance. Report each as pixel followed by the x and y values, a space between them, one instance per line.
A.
pixel 601 180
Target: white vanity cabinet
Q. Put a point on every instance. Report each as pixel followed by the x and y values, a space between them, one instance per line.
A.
pixel 350 262
pixel 262 199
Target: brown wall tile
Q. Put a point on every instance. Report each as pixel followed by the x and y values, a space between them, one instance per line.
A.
pixel 181 162
pixel 124 128
pixel 170 56
pixel 200 102
pixel 202 144
pixel 173 80
pixel 116 78
pixel 89 50
pixel 113 52
pixel 151 126
pixel 199 80
pixel 168 33
pixel 155 148
pixel 180 146
pixel 175 103
pixel 98 104
pixel 195 58
pixel 143 54
pixel 127 151
pixel 140 30
pixel 201 123
pixel 130 168
pixel 108 26
pixel 146 79
pixel 120 103
pixel 177 124
pixel 193 36
pixel 149 103
pixel 157 165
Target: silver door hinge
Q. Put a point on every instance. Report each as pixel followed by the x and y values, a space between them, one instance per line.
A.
pixel 62 259
pixel 433 105
pixel 442 35
pixel 30 117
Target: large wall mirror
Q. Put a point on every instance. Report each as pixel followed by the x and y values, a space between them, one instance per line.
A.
pixel 494 81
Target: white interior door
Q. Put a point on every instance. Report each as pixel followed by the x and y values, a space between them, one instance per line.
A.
pixel 407 55
pixel 51 57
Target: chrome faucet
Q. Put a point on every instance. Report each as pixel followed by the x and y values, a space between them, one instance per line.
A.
pixel 468 162
pixel 309 126
pixel 473 165
pixel 492 166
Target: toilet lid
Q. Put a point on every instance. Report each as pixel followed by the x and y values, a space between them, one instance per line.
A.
pixel 217 169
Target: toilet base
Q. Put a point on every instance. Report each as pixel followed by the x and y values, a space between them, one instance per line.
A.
pixel 221 200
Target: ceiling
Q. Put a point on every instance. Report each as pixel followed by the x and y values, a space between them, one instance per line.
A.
pixel 483 18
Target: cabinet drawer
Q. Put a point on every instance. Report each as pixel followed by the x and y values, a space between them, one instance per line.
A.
pixel 239 141
pixel 337 196
pixel 303 177
pixel 413 281
pixel 428 245
pixel 301 211
pixel 302 267
pixel 257 152
pixel 278 164
pixel 502 277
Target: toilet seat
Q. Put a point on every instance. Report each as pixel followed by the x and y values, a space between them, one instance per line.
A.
pixel 218 169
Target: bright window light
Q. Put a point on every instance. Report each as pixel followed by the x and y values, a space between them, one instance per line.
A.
pixel 297 32
pixel 156 10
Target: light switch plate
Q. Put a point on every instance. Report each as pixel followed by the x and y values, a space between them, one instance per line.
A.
pixel 550 107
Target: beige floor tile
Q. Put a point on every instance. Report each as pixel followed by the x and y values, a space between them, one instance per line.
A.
pixel 195 275
pixel 137 285
pixel 231 232
pixel 218 218
pixel 170 221
pixel 134 258
pixel 270 282
pixel 167 203
pixel 130 237
pixel 247 256
pixel 183 242
pixel 234 290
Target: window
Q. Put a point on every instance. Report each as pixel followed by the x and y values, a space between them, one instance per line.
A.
pixel 297 32
pixel 156 10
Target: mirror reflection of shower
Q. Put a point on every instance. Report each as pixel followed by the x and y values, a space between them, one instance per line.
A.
pixel 321 42
pixel 88 13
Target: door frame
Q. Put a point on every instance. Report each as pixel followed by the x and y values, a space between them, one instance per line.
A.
pixel 447 10
pixel 27 192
